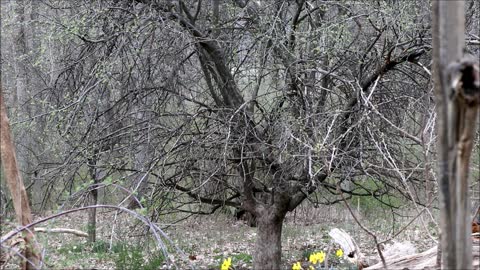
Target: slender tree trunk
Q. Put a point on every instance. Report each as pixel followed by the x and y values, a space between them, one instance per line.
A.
pixel 140 155
pixel 93 200
pixel 140 180
pixel 22 83
pixel 92 216
pixel 36 85
pixel 17 189
pixel 268 248
pixel 457 89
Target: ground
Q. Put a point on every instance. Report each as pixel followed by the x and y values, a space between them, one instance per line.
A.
pixel 206 241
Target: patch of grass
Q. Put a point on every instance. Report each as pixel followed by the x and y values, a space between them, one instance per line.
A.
pixel 132 257
pixel 155 262
pixel 307 252
pixel 72 254
pixel 236 259
pixel 123 255
pixel 75 247
pixel 247 258
pixel 100 247
pixel 128 257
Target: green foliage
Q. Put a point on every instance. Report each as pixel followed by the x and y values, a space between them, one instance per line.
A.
pixel 128 257
pixel 236 258
pixel 100 246
pixel 132 257
pixel 124 256
pixel 247 258
pixel 307 252
pixel 368 204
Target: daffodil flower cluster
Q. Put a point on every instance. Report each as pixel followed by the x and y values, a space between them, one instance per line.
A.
pixel 315 258
pixel 297 266
pixel 226 264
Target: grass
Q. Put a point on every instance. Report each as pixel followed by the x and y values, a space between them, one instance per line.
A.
pixel 236 258
pixel 121 255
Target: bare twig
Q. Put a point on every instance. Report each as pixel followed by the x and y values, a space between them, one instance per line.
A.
pixel 377 244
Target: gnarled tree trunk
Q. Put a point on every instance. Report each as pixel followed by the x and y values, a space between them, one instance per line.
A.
pixel 268 247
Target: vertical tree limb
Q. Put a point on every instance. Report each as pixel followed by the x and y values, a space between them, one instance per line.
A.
pixel 458 98
pixel 16 187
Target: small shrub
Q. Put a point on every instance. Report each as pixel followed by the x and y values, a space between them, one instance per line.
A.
pixel 155 262
pixel 100 247
pixel 128 257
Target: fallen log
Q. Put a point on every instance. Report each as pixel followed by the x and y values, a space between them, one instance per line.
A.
pixel 47 230
pixel 349 247
pixel 423 260
pixel 397 256
pixel 61 230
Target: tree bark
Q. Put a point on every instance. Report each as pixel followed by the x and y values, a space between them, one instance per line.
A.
pixel 93 200
pixel 17 189
pixel 458 98
pixel 268 247
pixel 22 83
pixel 92 216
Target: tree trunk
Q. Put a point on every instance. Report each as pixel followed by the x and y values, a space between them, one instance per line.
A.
pixel 92 216
pixel 17 189
pixel 37 134
pixel 140 179
pixel 23 138
pixel 93 200
pixel 268 248
pixel 457 100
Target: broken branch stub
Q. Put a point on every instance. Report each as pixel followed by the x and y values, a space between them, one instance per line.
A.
pixel 464 78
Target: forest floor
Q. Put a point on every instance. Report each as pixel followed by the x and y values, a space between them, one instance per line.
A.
pixel 123 243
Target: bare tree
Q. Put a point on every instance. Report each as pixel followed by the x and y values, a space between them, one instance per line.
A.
pixel 254 105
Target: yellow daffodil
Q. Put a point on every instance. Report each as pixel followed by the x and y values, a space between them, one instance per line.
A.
pixel 321 256
pixel 226 264
pixel 297 266
pixel 311 267
pixel 317 257
pixel 339 253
